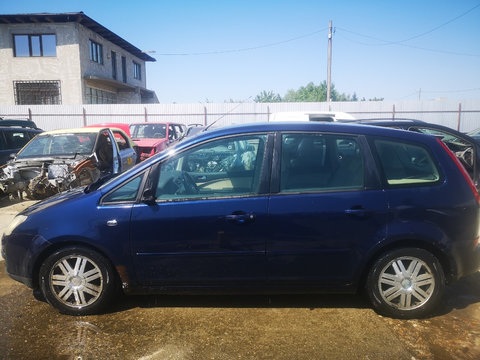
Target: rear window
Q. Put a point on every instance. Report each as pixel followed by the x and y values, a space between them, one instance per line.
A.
pixel 406 163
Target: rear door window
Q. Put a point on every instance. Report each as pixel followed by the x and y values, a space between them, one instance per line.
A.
pixel 320 162
pixel 405 163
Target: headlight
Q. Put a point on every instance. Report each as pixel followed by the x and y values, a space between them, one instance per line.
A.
pixel 16 221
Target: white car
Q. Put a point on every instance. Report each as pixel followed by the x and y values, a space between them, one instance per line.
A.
pixel 311 116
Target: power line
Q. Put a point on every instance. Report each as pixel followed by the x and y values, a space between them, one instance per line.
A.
pixel 245 49
pixel 399 42
pixel 404 45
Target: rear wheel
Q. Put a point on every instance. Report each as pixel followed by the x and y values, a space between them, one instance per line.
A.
pixel 77 281
pixel 406 283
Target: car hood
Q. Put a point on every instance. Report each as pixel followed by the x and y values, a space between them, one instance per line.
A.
pixel 54 200
pixel 149 142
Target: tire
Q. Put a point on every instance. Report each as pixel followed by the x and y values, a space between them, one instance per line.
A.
pixel 406 283
pixel 77 281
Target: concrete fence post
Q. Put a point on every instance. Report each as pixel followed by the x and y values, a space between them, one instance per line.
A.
pixel 205 116
pixel 84 117
pixel 145 113
pixel 459 117
pixel 30 117
pixel 268 113
pixel 393 112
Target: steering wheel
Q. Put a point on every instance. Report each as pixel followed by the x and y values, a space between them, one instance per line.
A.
pixel 185 184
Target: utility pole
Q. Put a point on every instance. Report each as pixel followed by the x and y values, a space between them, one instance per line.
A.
pixel 329 66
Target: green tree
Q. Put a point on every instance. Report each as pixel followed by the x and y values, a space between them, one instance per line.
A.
pixel 316 93
pixel 267 97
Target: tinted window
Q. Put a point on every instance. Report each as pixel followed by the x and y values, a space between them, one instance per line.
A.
pixel 126 192
pixel 405 163
pixel 313 162
pixel 220 168
pixel 16 139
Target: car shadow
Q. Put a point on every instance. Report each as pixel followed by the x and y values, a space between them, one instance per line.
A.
pixel 459 295
pixel 308 301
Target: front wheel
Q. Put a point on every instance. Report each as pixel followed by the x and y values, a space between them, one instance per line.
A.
pixel 77 281
pixel 406 283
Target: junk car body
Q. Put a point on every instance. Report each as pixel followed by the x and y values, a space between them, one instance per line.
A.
pixel 153 137
pixel 60 160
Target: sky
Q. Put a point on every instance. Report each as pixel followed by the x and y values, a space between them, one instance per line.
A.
pixel 217 51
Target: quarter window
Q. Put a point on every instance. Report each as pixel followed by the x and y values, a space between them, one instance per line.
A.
pixel 317 162
pixel 35 45
pixel 96 52
pixel 221 168
pixel 405 163
pixel 126 192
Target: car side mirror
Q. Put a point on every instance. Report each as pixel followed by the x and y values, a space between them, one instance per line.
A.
pixel 12 156
pixel 149 197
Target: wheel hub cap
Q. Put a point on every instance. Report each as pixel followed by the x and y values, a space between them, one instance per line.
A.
pixel 76 281
pixel 406 283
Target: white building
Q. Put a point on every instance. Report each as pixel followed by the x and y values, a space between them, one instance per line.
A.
pixel 68 58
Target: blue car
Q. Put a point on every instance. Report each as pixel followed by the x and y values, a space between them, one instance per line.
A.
pixel 261 208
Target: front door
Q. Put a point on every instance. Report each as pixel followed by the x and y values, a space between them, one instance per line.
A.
pixel 202 230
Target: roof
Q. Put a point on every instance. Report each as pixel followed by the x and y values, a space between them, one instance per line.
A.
pixel 78 17
pixel 74 131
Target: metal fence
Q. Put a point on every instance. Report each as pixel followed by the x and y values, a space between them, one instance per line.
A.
pixel 462 115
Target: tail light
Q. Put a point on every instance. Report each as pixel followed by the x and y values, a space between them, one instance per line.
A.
pixel 462 170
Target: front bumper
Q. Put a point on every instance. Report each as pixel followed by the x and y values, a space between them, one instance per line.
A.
pixel 21 252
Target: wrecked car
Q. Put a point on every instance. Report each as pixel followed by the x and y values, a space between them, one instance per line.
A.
pixel 59 160
pixel 153 137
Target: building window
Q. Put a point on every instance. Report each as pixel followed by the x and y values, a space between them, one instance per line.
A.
pixel 97 96
pixel 37 92
pixel 35 45
pixel 124 69
pixel 96 52
pixel 114 65
pixel 137 71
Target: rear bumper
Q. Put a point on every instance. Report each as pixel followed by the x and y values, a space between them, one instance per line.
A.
pixel 467 257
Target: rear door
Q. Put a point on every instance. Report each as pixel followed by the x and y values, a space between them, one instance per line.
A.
pixel 328 210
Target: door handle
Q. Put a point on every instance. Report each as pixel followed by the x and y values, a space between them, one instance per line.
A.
pixel 358 211
pixel 112 222
pixel 241 218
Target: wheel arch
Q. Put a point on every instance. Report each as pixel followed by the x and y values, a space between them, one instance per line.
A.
pixel 60 244
pixel 445 262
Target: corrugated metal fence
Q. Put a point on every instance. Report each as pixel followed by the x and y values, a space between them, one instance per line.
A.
pixel 463 115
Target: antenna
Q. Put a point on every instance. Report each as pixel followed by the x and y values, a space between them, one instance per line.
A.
pixel 221 117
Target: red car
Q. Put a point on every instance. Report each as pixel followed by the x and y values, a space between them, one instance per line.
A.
pixel 153 137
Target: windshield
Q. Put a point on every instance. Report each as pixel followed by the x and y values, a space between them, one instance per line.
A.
pixel 59 145
pixel 148 131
